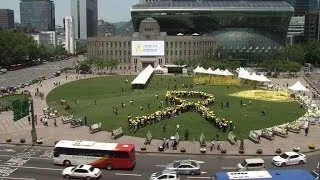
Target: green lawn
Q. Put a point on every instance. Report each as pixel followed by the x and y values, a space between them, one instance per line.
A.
pixel 107 92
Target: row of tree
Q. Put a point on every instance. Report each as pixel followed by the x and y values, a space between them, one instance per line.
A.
pixel 99 64
pixel 18 48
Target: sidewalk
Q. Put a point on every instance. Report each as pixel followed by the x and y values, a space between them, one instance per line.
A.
pixel 50 134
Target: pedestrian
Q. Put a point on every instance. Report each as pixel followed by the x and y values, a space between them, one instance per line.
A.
pixel 149 106
pixel 241 103
pixel 141 107
pixel 122 104
pixel 164 129
pixel 218 145
pixel 306 131
pixel 167 143
pixel 85 120
pixel 212 144
pixel 227 104
pixel 66 77
pixel 178 127
pixel 116 111
pixel 29 120
pixel 55 122
pixel 157 96
pixel 263 113
pixel 221 105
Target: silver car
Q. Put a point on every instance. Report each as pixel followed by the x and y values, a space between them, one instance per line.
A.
pixel 187 167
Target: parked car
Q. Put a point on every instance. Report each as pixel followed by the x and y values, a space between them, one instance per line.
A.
pixel 168 175
pixel 81 172
pixel 289 158
pixel 188 167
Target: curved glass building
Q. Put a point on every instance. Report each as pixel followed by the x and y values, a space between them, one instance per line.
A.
pixel 240 26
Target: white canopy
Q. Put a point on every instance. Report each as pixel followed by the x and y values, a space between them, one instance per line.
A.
pixel 197 69
pixel 180 34
pixel 209 71
pixel 158 68
pixel 262 78
pixel 227 73
pixel 298 87
pixel 217 72
pixel 202 70
pixel 144 76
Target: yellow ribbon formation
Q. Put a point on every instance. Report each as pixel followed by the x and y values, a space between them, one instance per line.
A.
pixel 181 106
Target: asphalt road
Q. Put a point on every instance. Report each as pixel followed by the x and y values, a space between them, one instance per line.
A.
pixel 35 163
pixel 14 78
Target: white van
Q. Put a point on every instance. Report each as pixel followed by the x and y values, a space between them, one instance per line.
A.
pixel 254 164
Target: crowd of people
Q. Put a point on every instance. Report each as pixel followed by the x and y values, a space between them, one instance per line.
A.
pixel 180 106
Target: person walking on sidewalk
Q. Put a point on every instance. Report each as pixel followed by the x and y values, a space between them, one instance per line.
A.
pixel 55 122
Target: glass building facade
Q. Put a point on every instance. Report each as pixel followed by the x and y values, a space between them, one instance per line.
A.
pixel 37 15
pixel 85 15
pixel 241 27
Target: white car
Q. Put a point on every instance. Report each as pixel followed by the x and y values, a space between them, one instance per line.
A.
pixel 289 158
pixel 168 175
pixel 81 172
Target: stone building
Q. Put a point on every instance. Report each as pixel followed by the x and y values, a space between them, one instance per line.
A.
pixel 150 46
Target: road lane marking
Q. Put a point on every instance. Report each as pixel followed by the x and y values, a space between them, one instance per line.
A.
pixel 195 177
pixel 16 161
pixel 203 172
pixel 7 150
pixel 161 165
pixel 6 171
pixel 124 174
pixel 30 167
pixel 199 162
pixel 226 168
pixel 2 155
pixel 16 178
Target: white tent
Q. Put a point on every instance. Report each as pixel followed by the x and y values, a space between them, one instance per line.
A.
pixel 197 70
pixel 244 74
pixel 217 72
pixel 159 69
pixel 202 70
pixel 298 87
pixel 143 77
pixel 209 71
pixel 254 77
pixel 227 73
pixel 262 78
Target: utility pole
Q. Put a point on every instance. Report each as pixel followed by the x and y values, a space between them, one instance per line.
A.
pixel 33 130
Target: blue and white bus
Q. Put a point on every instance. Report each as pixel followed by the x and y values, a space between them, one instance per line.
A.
pixel 287 174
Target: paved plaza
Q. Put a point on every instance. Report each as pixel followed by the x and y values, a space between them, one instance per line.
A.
pixel 50 134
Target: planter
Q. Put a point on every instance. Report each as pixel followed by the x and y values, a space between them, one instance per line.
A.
pixel 8 140
pixel 22 140
pixel 39 141
pixel 143 148
pixel 160 148
pixel 278 151
pixel 183 150
pixel 259 151
pixel 311 146
pixel 223 151
pixel 296 149
pixel 203 150
pixel 241 151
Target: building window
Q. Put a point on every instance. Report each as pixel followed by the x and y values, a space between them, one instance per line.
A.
pixel 171 44
pixel 111 52
pixel 119 44
pixel 185 43
pixel 111 44
pixel 120 52
pixel 176 53
pixel 189 52
pixel 171 52
pixel 116 52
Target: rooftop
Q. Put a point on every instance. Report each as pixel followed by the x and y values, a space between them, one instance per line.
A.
pixel 215 6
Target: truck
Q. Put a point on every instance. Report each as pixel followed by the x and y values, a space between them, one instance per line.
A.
pixel 285 174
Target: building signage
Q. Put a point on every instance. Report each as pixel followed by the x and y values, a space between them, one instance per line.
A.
pixel 147 48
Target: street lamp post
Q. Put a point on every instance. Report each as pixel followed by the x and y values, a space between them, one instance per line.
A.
pixel 33 130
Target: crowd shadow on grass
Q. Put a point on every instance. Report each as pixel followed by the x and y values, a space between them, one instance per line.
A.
pixel 107 92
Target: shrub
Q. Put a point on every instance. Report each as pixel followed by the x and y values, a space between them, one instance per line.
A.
pixel 22 140
pixel 8 140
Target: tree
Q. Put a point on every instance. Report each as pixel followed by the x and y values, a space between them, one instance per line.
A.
pixel 312 55
pixel 112 64
pixel 17 48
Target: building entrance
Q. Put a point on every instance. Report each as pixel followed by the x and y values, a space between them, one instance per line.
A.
pixel 146 64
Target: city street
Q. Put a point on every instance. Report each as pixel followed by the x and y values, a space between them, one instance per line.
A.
pixel 35 163
pixel 14 78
